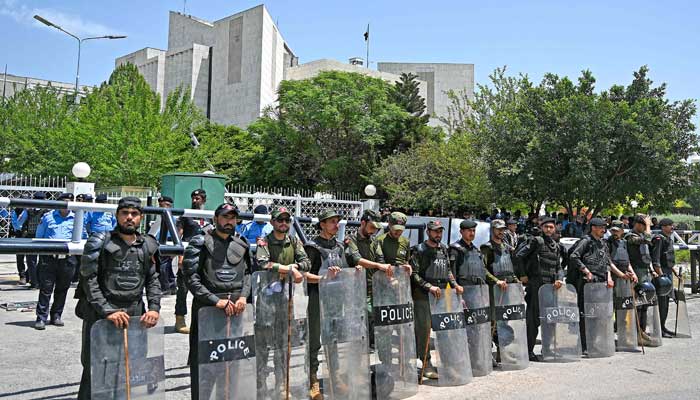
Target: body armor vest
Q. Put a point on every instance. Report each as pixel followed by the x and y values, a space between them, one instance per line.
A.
pixel 223 270
pixel 123 276
pixel 472 268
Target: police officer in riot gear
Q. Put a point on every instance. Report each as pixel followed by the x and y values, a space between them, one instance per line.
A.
pixel 217 268
pixel 116 267
pixel 540 258
pixel 638 246
pixel 431 274
pixel 590 258
pixel 327 252
pixel 466 259
pixel 282 253
pixel 617 246
pixel 664 262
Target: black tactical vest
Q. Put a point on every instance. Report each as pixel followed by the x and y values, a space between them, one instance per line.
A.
pixel 224 269
pixel 502 263
pixel 438 270
pixel 619 254
pixel 123 276
pixel 330 257
pixel 548 257
pixel 472 268
pixel 595 258
pixel 668 254
pixel 33 220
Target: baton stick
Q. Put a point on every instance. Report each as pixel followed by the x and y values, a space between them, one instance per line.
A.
pixel 126 364
pixel 227 383
pixel 425 355
pixel 639 326
pixel 680 288
pixel 290 309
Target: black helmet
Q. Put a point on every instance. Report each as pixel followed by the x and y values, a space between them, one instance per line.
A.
pixel 663 285
pixel 646 289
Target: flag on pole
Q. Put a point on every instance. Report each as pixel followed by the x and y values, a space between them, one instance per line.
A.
pixel 367 33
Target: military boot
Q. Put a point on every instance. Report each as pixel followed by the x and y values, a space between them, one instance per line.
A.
pixel 315 390
pixel 181 325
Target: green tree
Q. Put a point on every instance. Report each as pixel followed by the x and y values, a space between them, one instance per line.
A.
pixel 227 150
pixel 332 129
pixel 444 176
pixel 561 142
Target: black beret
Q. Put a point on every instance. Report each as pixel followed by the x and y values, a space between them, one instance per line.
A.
pixel 165 198
pixel 129 202
pixel 198 192
pixel 548 220
pixel 665 222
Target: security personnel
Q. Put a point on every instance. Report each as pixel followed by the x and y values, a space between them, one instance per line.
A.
pixel 497 257
pixel 617 247
pixel 638 246
pixel 209 257
pixel 116 267
pixel 100 221
pixel 431 274
pixel 395 247
pixel 56 270
pixel 326 250
pixel 168 280
pixel 361 248
pixel 282 253
pixel 34 216
pixel 254 230
pixel 18 222
pixel 510 235
pixel 664 262
pixel 540 259
pixel 466 259
pixel 188 228
pixel 591 259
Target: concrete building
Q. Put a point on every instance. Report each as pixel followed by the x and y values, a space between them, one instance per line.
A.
pixel 11 84
pixel 233 67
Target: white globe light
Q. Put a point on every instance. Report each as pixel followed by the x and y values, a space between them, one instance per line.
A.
pixel 370 190
pixel 634 203
pixel 81 170
pixel 208 172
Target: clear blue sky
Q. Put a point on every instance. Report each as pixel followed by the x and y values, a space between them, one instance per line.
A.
pixel 611 38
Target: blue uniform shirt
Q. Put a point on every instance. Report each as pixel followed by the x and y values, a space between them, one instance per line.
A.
pixel 253 230
pixel 100 221
pixel 18 220
pixel 55 226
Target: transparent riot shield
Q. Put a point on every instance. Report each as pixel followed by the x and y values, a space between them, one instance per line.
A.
pixel 451 345
pixel 477 318
pixel 344 334
pixel 598 311
pixel 280 337
pixel 226 354
pixel 653 317
pixel 127 363
pixel 559 318
pixel 394 339
pixel 677 320
pixel 625 316
pixel 509 313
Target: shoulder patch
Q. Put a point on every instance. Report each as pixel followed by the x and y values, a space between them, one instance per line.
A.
pixel 261 242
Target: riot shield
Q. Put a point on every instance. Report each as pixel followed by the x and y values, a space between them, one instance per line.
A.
pixel 344 334
pixel 394 339
pixel 653 317
pixel 559 318
pixel 677 320
pixel 127 363
pixel 509 306
pixel 625 316
pixel 477 318
pixel 451 345
pixel 280 341
pixel 598 311
pixel 226 354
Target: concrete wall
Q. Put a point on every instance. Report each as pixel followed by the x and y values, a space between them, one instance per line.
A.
pixel 183 30
pixel 189 69
pixel 236 68
pixel 440 78
pixel 11 84
pixel 150 63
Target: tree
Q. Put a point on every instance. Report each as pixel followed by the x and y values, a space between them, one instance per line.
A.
pixel 561 142
pixel 445 176
pixel 333 129
pixel 227 150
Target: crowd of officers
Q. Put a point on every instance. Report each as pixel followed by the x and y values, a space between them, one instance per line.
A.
pixel 119 265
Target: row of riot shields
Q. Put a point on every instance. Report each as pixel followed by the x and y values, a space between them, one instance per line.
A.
pixel 265 347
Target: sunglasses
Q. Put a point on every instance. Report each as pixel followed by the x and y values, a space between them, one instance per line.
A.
pixel 286 220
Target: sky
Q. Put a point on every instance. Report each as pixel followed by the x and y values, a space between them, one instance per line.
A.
pixel 610 38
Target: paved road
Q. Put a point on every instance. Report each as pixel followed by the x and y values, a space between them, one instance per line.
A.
pixel 46 364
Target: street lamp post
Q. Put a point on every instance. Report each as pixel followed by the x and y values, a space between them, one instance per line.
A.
pixel 80 42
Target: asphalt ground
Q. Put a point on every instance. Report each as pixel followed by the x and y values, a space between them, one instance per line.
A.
pixel 46 364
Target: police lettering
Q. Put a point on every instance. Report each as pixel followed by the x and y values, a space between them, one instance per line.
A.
pixel 227 349
pixel 510 312
pixel 561 314
pixel 448 321
pixel 476 315
pixel 393 314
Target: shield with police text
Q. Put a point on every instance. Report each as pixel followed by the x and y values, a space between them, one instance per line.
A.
pixel 394 339
pixel 598 311
pixel 653 317
pixel 127 363
pixel 559 319
pixel 226 354
pixel 677 320
pixel 511 329
pixel 280 337
pixel 451 345
pixel 477 316
pixel 625 316
pixel 344 334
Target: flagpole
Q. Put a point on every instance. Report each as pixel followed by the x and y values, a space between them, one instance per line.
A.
pixel 367 41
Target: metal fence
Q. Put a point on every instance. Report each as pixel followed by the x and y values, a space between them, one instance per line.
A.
pixel 12 185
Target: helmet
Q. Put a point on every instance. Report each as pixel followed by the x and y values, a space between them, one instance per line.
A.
pixel 663 285
pixel 645 289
